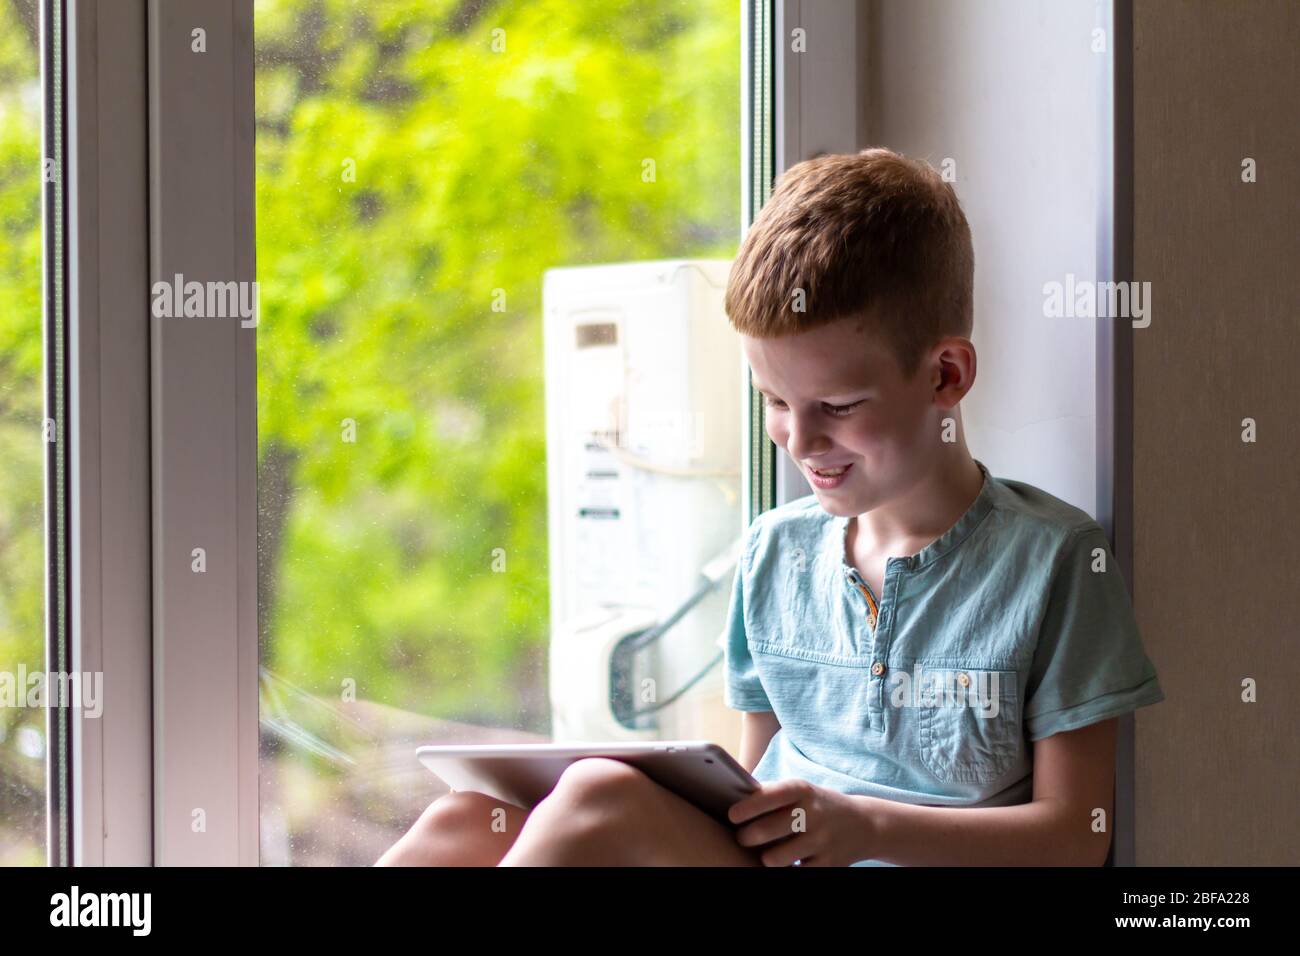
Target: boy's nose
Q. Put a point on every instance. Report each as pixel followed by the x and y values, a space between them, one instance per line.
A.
pixel 803 441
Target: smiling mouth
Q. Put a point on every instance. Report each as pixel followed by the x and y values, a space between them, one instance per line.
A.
pixel 830 472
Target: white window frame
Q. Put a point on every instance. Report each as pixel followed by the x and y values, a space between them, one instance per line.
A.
pixel 106 194
pixel 204 438
pixel 164 434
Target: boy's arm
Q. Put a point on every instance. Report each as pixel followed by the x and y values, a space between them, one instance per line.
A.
pixel 757 728
pixel 1074 775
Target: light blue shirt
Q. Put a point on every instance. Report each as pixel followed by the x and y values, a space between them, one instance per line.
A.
pixel 1017 616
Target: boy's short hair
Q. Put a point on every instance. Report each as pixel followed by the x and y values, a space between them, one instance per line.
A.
pixel 872 234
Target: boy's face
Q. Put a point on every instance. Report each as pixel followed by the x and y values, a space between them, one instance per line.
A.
pixel 836 396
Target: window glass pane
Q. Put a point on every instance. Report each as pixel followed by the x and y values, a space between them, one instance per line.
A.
pixel 484 469
pixel 22 450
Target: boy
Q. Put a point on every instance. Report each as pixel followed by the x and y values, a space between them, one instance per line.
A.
pixel 929 660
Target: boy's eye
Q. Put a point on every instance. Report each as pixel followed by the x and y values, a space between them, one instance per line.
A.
pixel 837 410
pixel 843 409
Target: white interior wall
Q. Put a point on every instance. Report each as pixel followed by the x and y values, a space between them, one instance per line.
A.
pixel 1008 89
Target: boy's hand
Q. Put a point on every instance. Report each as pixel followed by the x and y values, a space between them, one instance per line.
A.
pixel 796 820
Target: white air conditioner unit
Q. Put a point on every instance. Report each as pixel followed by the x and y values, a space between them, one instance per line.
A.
pixel 644 450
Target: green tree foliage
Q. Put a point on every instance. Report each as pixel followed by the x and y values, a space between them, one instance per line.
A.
pixel 418 162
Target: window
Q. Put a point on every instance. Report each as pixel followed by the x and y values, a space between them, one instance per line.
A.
pixel 476 475
pixel 482 468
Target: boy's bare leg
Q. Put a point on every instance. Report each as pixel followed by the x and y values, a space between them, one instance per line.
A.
pixel 604 812
pixel 461 828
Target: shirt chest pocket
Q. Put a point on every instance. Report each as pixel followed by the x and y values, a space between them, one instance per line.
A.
pixel 970 724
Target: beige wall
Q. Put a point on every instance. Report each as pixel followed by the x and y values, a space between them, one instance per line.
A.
pixel 1217 542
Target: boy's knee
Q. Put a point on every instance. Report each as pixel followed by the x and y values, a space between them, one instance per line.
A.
pixel 598 782
pixel 592 802
pixel 452 817
pixel 447 831
pixel 457 811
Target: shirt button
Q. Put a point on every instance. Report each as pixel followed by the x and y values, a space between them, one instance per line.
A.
pixel 963 679
pixel 877 668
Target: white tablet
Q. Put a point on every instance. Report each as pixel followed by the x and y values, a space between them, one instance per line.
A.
pixel 522 774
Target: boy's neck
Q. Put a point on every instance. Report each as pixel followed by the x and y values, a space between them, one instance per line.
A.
pixel 933 505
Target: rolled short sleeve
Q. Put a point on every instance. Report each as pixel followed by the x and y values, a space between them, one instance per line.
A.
pixel 743 689
pixel 1089 663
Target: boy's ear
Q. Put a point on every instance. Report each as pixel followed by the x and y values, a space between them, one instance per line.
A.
pixel 953 360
